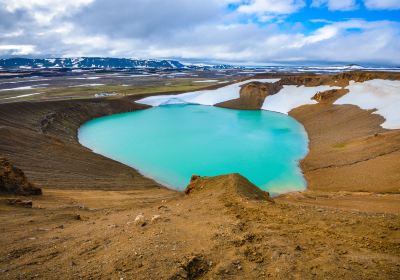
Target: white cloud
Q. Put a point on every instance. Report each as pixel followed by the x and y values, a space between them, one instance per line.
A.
pixel 321 34
pixel 336 5
pixel 44 11
pixel 11 34
pixel 17 49
pixel 271 7
pixel 195 29
pixel 382 4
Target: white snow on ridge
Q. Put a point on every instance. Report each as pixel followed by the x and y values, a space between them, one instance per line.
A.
pixel 87 85
pixel 202 97
pixel 382 95
pixel 291 97
pixel 26 87
pixel 23 95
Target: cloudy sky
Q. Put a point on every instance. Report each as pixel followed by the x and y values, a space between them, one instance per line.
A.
pixel 234 31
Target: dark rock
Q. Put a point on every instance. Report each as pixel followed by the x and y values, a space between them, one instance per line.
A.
pixel 13 180
pixel 193 267
pixel 194 178
pixel 19 202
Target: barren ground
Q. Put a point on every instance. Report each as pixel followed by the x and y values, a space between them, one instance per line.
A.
pixel 83 226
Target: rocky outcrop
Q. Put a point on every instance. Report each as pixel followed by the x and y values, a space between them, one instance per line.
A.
pixel 362 76
pixel 232 185
pixel 329 96
pixel 341 79
pixel 252 96
pixel 13 180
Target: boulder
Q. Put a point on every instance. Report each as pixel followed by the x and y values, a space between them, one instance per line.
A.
pixel 14 181
pixel 140 220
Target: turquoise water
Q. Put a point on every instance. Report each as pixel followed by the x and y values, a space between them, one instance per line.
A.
pixel 170 143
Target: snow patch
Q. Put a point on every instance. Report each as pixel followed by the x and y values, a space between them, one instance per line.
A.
pixel 203 97
pixel 25 88
pixel 23 95
pixel 291 97
pixel 382 95
pixel 88 85
pixel 85 78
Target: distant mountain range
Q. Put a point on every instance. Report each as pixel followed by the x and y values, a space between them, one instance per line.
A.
pixel 19 63
pixel 87 62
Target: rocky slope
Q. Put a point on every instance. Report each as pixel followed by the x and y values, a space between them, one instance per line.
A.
pixel 349 150
pixel 41 139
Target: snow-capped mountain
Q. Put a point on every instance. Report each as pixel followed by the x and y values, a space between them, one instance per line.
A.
pixel 87 62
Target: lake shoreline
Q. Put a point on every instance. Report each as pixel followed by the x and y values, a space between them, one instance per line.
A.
pixel 90 203
pixel 51 122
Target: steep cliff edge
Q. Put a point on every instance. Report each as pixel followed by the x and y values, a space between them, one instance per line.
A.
pixel 252 96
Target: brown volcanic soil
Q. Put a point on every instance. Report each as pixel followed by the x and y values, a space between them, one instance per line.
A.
pixel 341 79
pixel 349 150
pixel 40 138
pixel 226 230
pixel 83 226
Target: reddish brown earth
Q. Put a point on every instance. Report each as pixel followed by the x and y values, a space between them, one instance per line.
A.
pixel 13 180
pixel 252 96
pixel 349 150
pixel 41 139
pixel 99 219
pixel 227 229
